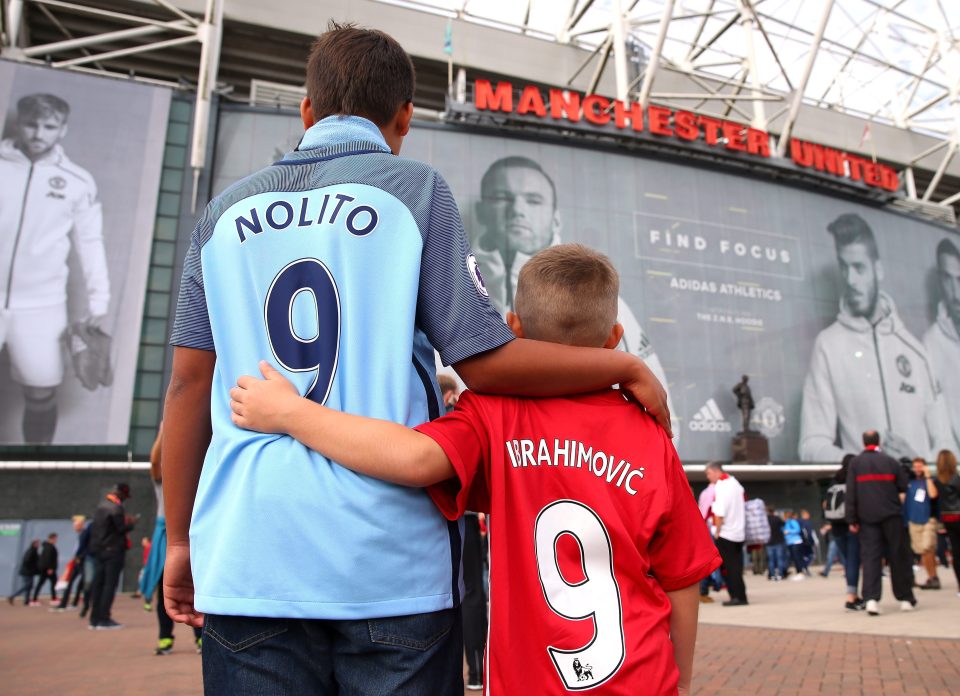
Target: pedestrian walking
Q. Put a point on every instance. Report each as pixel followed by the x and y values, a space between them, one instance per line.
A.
pixel 948 489
pixel 918 508
pixel 47 565
pixel 29 569
pixel 777 548
pixel 108 544
pixel 77 575
pixel 729 519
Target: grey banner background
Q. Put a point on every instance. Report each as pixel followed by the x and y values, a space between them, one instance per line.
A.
pixel 116 132
pixel 705 340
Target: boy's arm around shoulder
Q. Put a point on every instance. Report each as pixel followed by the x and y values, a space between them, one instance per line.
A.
pixel 369 446
pixel 524 367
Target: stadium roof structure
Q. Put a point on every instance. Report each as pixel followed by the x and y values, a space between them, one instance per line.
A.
pixel 880 77
pixel 895 62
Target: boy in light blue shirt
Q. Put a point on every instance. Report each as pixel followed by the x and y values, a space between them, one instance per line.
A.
pixel 349 266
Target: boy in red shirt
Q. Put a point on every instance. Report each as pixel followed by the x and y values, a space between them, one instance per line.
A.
pixel 599 546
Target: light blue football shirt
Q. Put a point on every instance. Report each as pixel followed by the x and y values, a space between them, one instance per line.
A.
pixel 344 266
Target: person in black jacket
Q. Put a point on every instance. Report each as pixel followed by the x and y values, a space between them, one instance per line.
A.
pixel 108 545
pixel 876 487
pixel 29 569
pixel 47 565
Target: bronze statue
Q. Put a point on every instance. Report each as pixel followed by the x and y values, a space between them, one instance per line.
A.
pixel 744 402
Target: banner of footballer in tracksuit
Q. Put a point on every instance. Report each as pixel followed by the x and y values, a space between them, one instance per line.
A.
pixel 845 316
pixel 80 166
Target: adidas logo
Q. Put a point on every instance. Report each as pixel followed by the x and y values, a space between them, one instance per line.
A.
pixel 709 419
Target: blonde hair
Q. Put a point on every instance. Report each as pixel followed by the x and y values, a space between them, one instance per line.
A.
pixel 946 466
pixel 568 294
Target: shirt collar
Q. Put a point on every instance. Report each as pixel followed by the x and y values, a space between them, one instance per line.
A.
pixel 340 135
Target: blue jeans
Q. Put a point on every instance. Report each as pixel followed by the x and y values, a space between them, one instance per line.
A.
pixel 833 554
pixel 715 580
pixel 777 560
pixel 418 655
pixel 849 545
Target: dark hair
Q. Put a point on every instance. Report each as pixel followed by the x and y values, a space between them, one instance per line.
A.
pixel 123 489
pixel 849 229
pixel 359 72
pixel 871 438
pixel 39 105
pixel 841 475
pixel 946 247
pixel 515 161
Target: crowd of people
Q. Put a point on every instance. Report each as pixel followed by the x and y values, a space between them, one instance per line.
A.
pixel 882 515
pixel 93 572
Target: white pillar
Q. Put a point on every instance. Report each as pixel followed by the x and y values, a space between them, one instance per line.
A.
pixel 210 33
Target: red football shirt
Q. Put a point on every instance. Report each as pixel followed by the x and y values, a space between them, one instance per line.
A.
pixel 592 520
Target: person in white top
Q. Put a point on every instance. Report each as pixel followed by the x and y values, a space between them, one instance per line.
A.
pixel 867 370
pixel 48 206
pixel 729 519
pixel 942 339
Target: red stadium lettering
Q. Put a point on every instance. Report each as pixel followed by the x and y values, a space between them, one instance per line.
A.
pixel 487 98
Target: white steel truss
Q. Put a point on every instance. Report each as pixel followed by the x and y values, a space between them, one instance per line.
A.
pixel 891 62
pixel 157 35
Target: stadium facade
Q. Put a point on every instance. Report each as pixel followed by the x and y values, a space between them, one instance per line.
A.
pixel 720 207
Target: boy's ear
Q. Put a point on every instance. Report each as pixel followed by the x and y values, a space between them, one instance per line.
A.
pixel 616 333
pixel 306 113
pixel 398 127
pixel 513 321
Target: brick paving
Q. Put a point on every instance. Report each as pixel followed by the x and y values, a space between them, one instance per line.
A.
pixel 45 653
pixel 736 660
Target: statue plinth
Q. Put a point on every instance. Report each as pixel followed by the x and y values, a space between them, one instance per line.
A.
pixel 750 447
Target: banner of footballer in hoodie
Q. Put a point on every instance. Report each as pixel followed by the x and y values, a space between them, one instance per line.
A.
pixel 844 316
pixel 80 167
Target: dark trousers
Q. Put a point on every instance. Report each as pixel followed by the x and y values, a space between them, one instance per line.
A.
pixel 76 576
pixel 474 605
pixel 106 574
pixel 45 577
pixel 732 554
pixel 953 533
pixel 796 555
pixel 889 533
pixel 25 587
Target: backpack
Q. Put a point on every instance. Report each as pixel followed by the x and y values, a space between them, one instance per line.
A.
pixel 756 524
pixel 834 507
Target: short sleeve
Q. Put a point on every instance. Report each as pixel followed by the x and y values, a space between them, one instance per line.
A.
pixel 721 501
pixel 191 328
pixel 463 438
pixel 453 308
pixel 681 551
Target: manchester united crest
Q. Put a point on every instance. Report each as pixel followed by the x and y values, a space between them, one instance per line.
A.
pixel 904 366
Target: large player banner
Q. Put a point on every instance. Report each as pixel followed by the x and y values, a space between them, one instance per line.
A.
pixel 844 316
pixel 80 165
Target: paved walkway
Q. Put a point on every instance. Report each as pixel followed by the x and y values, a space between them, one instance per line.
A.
pixel 743 650
pixel 816 604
